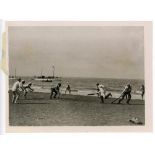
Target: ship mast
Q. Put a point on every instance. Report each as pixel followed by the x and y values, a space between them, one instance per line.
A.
pixel 15 72
pixel 53 70
pixel 41 72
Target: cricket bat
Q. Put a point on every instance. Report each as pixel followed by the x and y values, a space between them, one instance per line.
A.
pixel 92 94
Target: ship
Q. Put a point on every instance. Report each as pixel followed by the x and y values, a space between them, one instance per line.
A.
pixel 13 76
pixel 52 78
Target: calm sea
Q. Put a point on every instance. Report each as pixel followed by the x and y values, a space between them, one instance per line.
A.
pixel 84 86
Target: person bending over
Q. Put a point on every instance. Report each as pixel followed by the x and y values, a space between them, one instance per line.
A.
pixel 55 91
pixel 27 88
pixel 126 92
pixel 16 89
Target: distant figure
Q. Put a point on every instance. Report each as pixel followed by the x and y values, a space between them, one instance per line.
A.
pixel 16 88
pixel 68 88
pixel 102 93
pixel 97 85
pixel 27 88
pixel 129 93
pixel 126 92
pixel 142 88
pixel 55 91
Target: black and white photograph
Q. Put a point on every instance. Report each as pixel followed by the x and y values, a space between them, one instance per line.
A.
pixel 77 74
pixel 77 77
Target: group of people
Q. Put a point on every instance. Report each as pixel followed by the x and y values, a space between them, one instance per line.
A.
pixel 55 91
pixel 20 86
pixel 126 93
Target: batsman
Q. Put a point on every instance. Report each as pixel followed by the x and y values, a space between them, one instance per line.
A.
pixel 126 92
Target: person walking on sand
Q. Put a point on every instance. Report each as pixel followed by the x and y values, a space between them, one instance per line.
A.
pixel 16 88
pixel 142 88
pixel 68 88
pixel 55 91
pixel 126 92
pixel 27 88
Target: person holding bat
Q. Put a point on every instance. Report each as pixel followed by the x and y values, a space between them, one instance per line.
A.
pixel 126 92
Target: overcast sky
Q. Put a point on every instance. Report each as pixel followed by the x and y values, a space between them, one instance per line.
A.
pixel 106 52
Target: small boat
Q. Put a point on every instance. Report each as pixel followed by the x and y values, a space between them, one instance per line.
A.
pixel 14 76
pixel 48 78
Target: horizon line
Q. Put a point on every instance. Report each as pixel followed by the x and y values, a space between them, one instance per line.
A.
pixel 86 77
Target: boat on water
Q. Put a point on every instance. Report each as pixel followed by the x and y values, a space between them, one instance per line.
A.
pixel 43 78
pixel 13 76
pixel 47 79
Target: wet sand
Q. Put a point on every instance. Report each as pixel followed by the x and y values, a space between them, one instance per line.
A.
pixel 72 110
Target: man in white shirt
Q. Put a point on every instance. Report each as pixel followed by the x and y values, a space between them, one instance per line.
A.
pixel 102 93
pixel 16 88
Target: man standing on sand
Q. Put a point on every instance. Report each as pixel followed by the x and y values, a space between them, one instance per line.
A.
pixel 101 93
pixel 68 88
pixel 56 91
pixel 142 91
pixel 16 88
pixel 126 92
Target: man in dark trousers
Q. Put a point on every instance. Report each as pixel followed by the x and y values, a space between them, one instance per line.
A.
pixel 126 92
pixel 142 91
pixel 55 91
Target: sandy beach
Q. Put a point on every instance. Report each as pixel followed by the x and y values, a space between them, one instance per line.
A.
pixel 72 110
